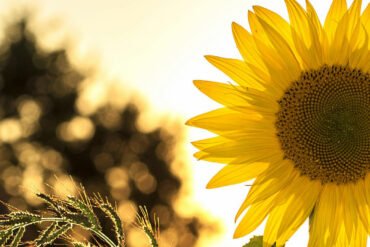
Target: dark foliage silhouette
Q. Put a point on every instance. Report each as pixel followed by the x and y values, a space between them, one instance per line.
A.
pixel 44 138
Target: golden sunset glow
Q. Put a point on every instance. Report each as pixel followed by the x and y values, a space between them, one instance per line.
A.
pixel 146 52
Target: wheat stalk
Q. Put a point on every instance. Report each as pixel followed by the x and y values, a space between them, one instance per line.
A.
pixel 66 214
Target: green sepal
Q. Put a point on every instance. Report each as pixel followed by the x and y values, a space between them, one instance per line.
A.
pixel 257 241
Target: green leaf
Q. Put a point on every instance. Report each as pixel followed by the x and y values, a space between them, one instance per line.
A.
pixel 48 199
pixel 17 219
pixel 57 233
pixel 78 244
pixel 43 239
pixel 112 214
pixel 18 237
pixel 256 241
pixel 78 219
pixel 86 210
pixel 4 236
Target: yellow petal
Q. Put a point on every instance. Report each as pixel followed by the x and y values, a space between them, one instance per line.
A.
pixel 280 80
pixel 231 96
pixel 237 148
pixel 270 234
pixel 276 22
pixel 312 15
pixel 271 182
pixel 206 143
pixel 305 194
pixel 252 135
pixel 336 12
pixel 360 58
pixel 257 30
pixel 234 174
pixel 224 119
pixel 305 39
pixel 363 209
pixel 205 156
pixel 297 199
pixel 254 217
pixel 340 49
pixel 320 42
pixel 249 154
pixel 247 48
pixel 298 21
pixel 328 218
pixel 237 70
pixel 260 100
pixel 354 25
pixel 350 215
pixel 367 187
pixel 222 93
pixel 283 49
pixel 342 240
pixel 270 157
pixel 354 13
pixel 359 238
pixel 365 19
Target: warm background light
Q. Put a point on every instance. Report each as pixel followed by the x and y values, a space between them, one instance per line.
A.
pixel 155 48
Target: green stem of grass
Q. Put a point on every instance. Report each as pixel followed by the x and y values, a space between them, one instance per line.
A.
pixel 96 232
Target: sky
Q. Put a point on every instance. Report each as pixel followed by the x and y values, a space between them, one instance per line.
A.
pixel 156 48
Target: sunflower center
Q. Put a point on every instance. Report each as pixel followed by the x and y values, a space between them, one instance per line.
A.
pixel 323 124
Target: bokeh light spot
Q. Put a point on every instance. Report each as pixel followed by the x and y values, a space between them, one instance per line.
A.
pixel 10 130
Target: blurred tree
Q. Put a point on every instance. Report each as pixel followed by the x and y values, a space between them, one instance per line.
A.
pixel 44 139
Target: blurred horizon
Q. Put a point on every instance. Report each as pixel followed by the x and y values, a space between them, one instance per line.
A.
pixel 148 53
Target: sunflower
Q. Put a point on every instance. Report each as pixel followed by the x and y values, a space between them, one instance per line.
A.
pixel 297 121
